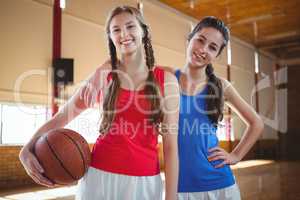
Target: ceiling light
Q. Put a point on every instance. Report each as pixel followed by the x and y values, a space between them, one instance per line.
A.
pixel 253 19
pixel 280 35
pixel 192 4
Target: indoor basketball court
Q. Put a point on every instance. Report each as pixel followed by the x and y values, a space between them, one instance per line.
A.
pixel 49 48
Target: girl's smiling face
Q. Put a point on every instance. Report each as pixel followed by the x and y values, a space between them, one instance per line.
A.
pixel 204 47
pixel 126 33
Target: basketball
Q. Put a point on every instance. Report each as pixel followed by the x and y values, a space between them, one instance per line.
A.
pixel 64 154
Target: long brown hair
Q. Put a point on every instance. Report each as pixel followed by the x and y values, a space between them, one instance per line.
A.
pixel 215 100
pixel 151 87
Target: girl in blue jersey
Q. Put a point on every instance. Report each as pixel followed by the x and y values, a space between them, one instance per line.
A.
pixel 204 171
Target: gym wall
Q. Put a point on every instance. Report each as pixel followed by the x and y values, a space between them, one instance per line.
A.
pixel 26 52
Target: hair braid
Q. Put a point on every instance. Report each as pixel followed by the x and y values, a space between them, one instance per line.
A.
pixel 113 90
pixel 152 88
pixel 215 105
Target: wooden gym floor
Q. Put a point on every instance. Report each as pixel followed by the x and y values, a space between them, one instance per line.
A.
pixel 257 179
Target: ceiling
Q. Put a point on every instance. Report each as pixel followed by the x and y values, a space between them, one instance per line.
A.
pixel 270 25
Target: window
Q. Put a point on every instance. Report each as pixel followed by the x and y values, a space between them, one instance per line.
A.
pixel 19 123
pixel 225 130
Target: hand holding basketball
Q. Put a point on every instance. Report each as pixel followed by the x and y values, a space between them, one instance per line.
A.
pixel 60 156
pixel 33 167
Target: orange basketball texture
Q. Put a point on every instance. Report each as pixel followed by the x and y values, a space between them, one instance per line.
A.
pixel 64 154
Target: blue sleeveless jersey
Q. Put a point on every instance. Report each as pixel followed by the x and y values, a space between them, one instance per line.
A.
pixel 196 135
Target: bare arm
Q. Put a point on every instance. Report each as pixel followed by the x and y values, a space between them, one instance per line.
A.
pixel 251 134
pixel 170 124
pixel 83 98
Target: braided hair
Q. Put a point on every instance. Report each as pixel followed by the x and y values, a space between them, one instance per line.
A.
pixel 215 99
pixel 151 88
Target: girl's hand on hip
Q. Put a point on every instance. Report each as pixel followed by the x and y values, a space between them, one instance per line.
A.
pixel 217 153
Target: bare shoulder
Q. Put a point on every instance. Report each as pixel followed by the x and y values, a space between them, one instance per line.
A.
pixel 168 69
pixel 103 70
pixel 170 103
pixel 225 83
pixel 170 77
pixel 171 86
pixel 98 77
pixel 106 66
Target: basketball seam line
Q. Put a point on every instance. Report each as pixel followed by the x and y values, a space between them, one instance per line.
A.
pixel 78 148
pixel 62 165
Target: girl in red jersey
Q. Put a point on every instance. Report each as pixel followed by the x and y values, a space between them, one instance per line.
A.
pixel 136 97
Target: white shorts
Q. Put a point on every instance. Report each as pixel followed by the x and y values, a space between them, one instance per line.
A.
pixel 101 185
pixel 228 193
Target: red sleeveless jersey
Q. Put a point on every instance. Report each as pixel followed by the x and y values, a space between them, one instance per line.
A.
pixel 130 146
